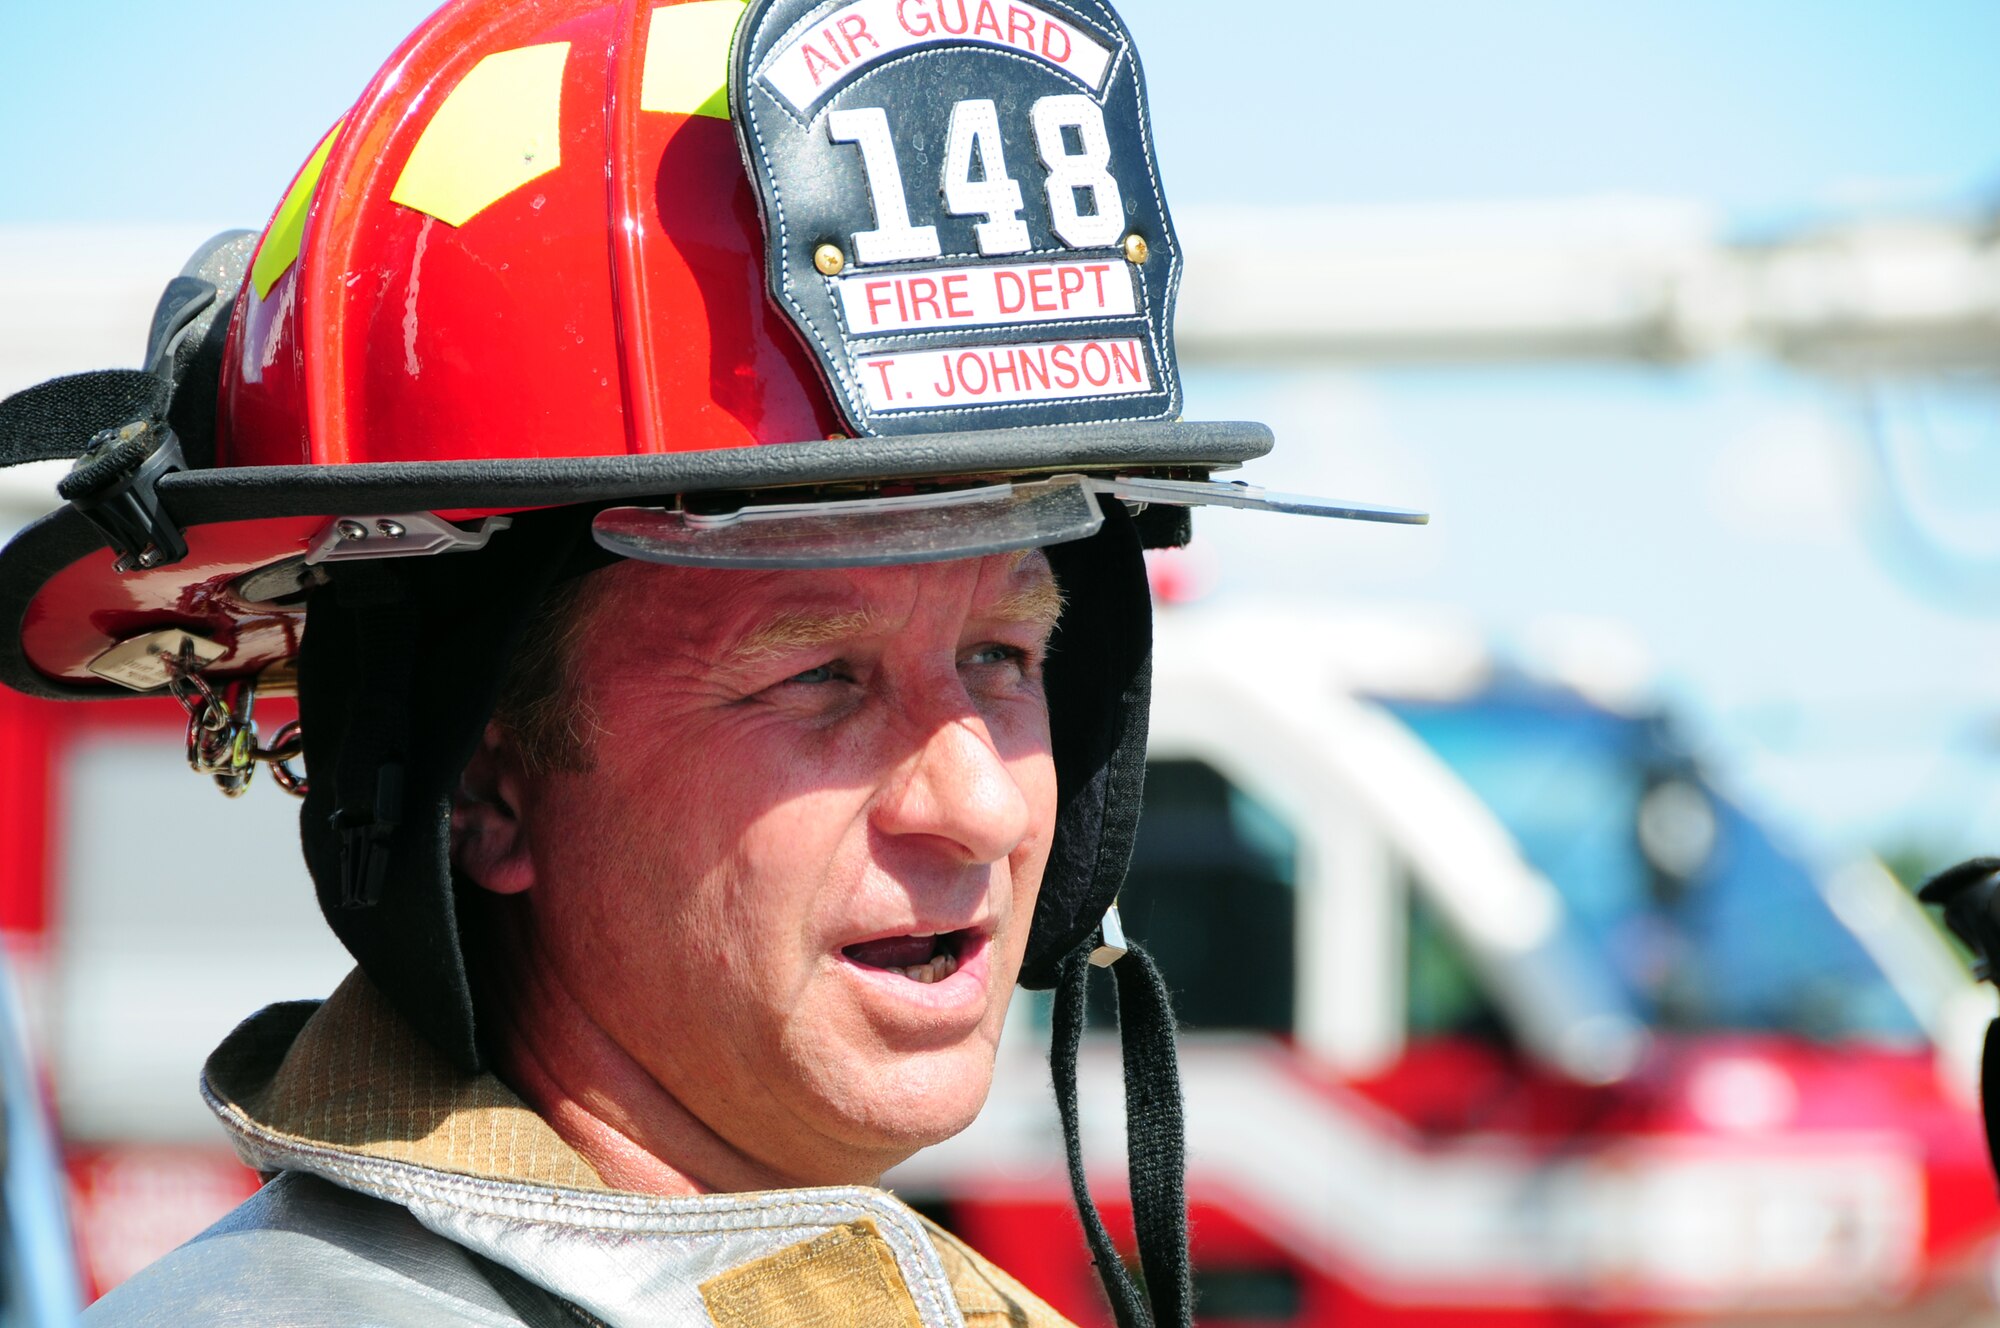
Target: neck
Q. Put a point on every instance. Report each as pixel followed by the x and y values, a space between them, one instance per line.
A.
pixel 635 1134
pixel 593 1120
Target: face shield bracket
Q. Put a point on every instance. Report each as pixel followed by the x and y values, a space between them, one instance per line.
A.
pixel 399 535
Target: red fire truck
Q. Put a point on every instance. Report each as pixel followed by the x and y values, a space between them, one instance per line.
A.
pixel 1498 1010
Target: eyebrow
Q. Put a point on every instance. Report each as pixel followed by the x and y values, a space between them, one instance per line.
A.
pixel 1040 603
pixel 798 629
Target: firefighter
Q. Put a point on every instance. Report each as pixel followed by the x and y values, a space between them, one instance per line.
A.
pixel 692 463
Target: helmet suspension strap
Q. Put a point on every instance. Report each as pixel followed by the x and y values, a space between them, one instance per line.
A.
pixel 1155 1137
pixel 368 783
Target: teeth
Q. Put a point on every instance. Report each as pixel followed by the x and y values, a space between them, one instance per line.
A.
pixel 936 970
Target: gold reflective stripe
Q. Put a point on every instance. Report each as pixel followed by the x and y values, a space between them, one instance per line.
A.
pixel 846 1278
pixel 687 58
pixel 498 129
pixel 280 246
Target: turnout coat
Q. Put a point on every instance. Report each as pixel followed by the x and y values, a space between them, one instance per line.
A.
pixel 402 1191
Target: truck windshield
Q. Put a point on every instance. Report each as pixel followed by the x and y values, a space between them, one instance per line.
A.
pixel 1707 922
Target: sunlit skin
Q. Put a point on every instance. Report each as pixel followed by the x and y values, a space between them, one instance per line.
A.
pixel 784 765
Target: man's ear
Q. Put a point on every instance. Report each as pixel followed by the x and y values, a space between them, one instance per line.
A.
pixel 489 843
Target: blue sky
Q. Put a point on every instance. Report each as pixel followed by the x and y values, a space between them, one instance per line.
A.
pixel 1727 515
pixel 1760 107
pixel 1766 108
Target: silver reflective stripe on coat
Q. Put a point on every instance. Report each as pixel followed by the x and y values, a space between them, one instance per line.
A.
pixel 626 1259
pixel 306 1253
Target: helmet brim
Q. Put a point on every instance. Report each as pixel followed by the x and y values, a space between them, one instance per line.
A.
pixel 56 577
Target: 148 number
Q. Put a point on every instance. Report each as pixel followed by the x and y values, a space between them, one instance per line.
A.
pixel 975 127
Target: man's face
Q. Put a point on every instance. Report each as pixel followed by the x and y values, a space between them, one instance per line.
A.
pixel 795 884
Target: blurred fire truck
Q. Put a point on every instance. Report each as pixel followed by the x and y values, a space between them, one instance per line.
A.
pixel 1498 1011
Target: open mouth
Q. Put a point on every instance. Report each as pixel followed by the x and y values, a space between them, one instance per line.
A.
pixel 930 958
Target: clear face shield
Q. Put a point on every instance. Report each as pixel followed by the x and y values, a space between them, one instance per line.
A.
pixel 924 526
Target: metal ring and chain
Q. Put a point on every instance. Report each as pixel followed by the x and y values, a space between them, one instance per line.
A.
pixel 222 731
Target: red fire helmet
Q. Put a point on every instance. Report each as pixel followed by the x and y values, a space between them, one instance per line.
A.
pixel 531 267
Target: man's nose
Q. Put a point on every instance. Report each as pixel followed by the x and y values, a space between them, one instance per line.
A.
pixel 956 788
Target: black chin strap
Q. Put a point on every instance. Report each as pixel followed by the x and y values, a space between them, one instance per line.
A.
pixel 1989 1092
pixel 1155 1140
pixel 1969 894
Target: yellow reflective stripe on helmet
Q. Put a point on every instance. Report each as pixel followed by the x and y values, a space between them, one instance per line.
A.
pixel 687 58
pixel 280 246
pixel 498 129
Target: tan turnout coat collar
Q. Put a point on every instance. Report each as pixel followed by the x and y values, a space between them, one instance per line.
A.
pixel 346 1090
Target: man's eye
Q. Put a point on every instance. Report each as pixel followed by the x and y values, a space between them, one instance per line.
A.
pixel 997 654
pixel 823 673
